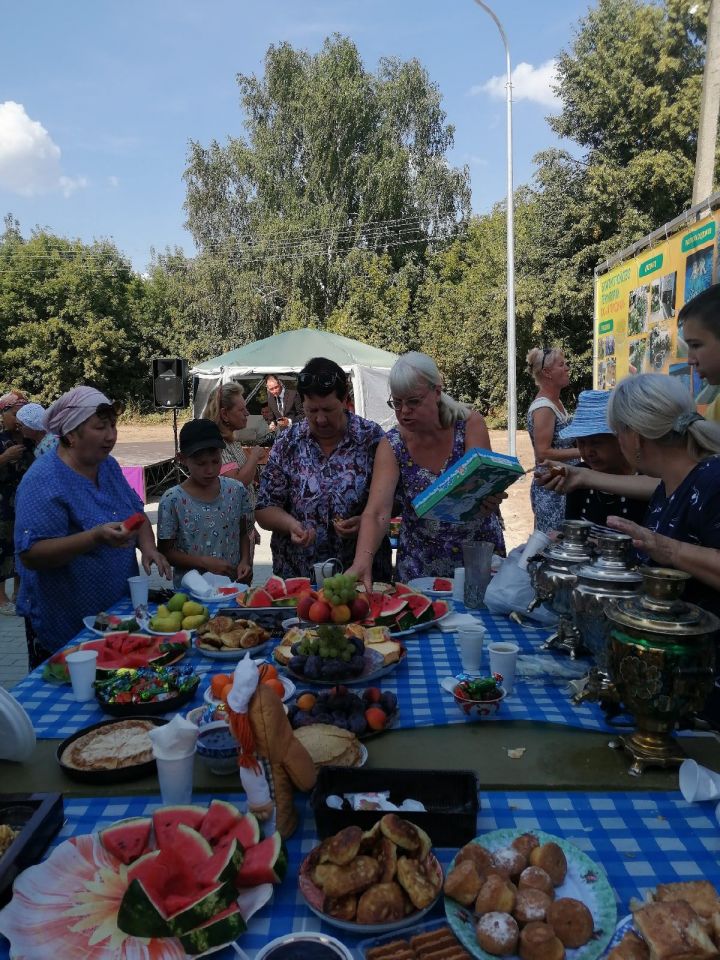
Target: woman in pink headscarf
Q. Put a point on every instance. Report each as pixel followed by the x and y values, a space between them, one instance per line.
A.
pixel 69 531
pixel 15 458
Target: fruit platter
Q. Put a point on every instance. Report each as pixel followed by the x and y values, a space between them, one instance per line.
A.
pixel 179 613
pixel 127 692
pixel 104 623
pixel 333 654
pixel 119 650
pixel 372 881
pixel 182 883
pixel 365 715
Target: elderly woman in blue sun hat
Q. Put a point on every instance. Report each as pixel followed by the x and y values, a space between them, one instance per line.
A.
pixel 600 451
pixel 31 421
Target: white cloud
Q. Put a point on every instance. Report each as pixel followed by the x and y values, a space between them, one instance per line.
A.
pixel 528 83
pixel 29 160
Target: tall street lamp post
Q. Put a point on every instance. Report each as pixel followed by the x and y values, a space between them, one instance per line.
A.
pixel 511 349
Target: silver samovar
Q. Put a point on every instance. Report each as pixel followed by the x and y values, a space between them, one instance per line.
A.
pixel 662 659
pixel 553 578
pixel 611 575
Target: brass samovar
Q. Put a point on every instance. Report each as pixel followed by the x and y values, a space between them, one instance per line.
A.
pixel 611 575
pixel 553 577
pixel 662 659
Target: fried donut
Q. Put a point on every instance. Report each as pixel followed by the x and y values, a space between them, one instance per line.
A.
pixel 341 848
pixel 337 882
pixel 343 908
pixel 571 920
pixel 418 882
pixel 402 833
pixel 497 933
pixel 531 904
pixel 536 878
pixel 381 903
pixel 509 862
pixel 386 855
pixel 538 942
pixel 463 883
pixel 525 843
pixel 496 895
pixel 481 857
pixel 551 858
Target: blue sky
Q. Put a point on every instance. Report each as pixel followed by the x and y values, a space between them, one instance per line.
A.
pixel 98 100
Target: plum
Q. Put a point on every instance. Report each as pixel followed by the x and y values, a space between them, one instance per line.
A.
pixel 356 723
pixel 298 664
pixel 313 667
pixel 356 665
pixel 388 701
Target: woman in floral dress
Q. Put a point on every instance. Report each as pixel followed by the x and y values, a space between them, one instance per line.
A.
pixel 434 431
pixel 316 481
pixel 15 458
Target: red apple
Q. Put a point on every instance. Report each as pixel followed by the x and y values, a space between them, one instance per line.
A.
pixel 359 608
pixel 303 607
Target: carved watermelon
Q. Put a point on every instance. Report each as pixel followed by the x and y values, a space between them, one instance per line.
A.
pixel 166 820
pixel 221 816
pixel 224 927
pixel 275 586
pixel 266 862
pixel 296 586
pixel 127 839
pixel 440 583
pixel 260 598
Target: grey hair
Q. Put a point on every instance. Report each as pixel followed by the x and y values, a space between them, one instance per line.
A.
pixel 413 370
pixel 535 357
pixel 660 408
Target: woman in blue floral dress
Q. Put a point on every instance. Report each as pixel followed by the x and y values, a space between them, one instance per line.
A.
pixel 316 481
pixel 433 432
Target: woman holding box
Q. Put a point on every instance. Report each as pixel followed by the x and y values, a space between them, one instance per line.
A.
pixel 433 432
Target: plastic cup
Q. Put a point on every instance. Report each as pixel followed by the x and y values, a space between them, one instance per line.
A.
pixel 326 568
pixel 139 588
pixel 458 591
pixel 470 641
pixel 176 778
pixel 697 783
pixel 503 660
pixel 82 666
pixel 477 556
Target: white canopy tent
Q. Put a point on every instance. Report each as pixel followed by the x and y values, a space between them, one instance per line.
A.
pixel 285 354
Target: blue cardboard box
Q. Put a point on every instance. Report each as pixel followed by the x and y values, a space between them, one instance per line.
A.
pixel 457 493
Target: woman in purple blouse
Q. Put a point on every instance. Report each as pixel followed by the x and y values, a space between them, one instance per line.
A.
pixel 316 481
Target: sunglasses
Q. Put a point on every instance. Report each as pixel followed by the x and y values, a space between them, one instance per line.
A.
pixel 546 353
pixel 114 409
pixel 15 405
pixel 320 381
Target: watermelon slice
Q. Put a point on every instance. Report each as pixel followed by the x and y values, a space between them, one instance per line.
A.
pixel 224 927
pixel 401 589
pixel 185 912
pixel 127 839
pixel 440 608
pixel 266 862
pixel 296 586
pixel 221 816
pixel 275 586
pixel 440 583
pixel 392 607
pixel 246 832
pixel 420 607
pixel 166 820
pixel 260 598
pixel 141 912
pixel 195 848
pixel 222 866
pixel 134 522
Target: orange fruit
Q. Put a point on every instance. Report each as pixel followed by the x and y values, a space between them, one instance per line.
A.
pixel 306 701
pixel 217 683
pixel 340 613
pixel 226 692
pixel 376 718
pixel 267 672
pixel 277 686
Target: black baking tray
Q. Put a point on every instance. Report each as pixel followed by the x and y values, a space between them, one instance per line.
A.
pixel 450 798
pixel 38 817
pixel 122 774
pixel 270 618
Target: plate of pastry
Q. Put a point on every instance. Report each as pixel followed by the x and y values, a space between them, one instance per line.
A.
pixel 230 638
pixel 373 881
pixel 545 899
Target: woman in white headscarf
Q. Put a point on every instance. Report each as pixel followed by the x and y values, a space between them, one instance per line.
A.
pixel 69 529
pixel 31 422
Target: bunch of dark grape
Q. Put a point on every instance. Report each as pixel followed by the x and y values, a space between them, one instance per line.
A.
pixel 328 655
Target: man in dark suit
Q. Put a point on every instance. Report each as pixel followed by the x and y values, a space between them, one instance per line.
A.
pixel 285 404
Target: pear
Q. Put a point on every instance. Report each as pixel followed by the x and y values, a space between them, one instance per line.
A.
pixel 162 611
pixel 190 623
pixel 165 624
pixel 176 602
pixel 192 609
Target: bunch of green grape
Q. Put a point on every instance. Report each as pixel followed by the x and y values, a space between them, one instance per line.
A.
pixel 342 588
pixel 329 643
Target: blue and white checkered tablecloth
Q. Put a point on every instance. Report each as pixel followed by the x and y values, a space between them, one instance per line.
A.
pixel 432 656
pixel 639 839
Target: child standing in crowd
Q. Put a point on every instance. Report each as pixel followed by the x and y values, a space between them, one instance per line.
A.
pixel 202 523
pixel 699 326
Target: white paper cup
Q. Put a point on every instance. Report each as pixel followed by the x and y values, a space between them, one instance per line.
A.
pixel 503 660
pixel 458 591
pixel 82 666
pixel 176 778
pixel 697 783
pixel 470 641
pixel 139 588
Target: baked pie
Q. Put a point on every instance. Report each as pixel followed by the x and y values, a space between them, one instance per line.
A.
pixel 123 744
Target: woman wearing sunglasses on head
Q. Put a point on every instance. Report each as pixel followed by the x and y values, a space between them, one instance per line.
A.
pixel 69 535
pixel 316 481
pixel 433 432
pixel 546 418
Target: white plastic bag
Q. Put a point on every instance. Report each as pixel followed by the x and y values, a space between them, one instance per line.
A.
pixel 510 591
